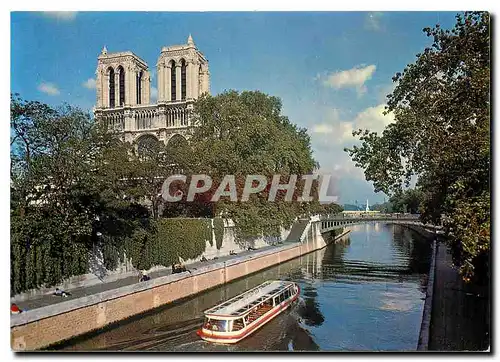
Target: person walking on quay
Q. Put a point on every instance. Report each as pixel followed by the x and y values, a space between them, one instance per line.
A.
pixel 143 277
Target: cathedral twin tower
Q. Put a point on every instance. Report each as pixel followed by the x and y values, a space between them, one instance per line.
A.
pixel 123 86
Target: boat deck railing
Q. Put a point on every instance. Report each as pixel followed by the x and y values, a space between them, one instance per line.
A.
pixel 246 301
pixel 242 296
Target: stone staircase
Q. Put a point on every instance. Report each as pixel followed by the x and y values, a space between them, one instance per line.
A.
pixel 297 230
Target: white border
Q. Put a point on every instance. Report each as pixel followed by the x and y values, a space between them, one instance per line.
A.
pixel 193 5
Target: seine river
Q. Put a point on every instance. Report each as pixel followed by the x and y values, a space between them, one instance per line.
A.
pixel 365 294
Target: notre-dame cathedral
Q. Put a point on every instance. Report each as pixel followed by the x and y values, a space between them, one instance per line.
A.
pixel 123 85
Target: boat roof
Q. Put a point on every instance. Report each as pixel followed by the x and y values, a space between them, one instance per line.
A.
pixel 242 303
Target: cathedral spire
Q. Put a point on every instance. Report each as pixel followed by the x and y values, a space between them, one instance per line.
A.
pixel 104 50
pixel 190 40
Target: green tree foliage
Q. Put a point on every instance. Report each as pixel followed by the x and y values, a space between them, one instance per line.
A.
pixel 245 134
pixel 75 185
pixel 441 134
pixel 55 191
pixel 407 201
pixel 150 165
pixel 163 242
pixel 385 207
pixel 331 208
pixel 169 240
pixel 218 231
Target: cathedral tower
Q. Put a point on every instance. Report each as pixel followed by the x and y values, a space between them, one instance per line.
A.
pixel 122 79
pixel 123 93
pixel 182 73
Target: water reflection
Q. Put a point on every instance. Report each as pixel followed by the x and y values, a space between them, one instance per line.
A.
pixel 309 310
pixel 362 294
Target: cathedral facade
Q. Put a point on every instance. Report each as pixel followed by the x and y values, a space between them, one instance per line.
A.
pixel 123 87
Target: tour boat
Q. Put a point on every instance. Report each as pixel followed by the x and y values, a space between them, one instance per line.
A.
pixel 235 319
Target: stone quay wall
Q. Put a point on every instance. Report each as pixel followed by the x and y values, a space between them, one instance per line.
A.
pixel 426 230
pixel 42 327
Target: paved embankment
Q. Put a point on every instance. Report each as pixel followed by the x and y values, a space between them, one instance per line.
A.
pixel 84 291
pixel 84 312
pixel 456 314
pixel 460 312
pixel 423 340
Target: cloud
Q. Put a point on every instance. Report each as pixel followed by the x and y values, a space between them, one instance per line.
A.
pixel 154 94
pixel 331 133
pixel 49 88
pixel 354 77
pixel 373 118
pixel 330 126
pixel 89 83
pixel 61 15
pixel 336 162
pixel 334 131
pixel 373 21
pixel 323 128
pixel 340 131
pixel 382 91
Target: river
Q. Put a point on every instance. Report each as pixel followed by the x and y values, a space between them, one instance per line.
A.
pixel 365 294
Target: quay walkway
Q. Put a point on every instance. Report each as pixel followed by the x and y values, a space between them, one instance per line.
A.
pixel 50 299
pixel 460 318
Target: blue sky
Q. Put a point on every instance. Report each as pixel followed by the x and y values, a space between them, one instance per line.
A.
pixel 332 70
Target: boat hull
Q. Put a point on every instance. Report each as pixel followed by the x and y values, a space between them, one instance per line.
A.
pixel 234 337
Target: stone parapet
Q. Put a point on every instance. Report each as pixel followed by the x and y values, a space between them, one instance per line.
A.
pixel 42 327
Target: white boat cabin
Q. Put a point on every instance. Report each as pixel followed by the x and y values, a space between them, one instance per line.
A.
pixel 244 309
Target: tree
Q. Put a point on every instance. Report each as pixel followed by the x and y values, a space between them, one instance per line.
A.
pixel 407 201
pixel 441 135
pixel 385 207
pixel 50 216
pixel 245 134
pixel 67 188
pixel 332 208
pixel 150 166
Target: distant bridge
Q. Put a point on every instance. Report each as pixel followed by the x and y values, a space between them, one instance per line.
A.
pixel 334 221
pixel 304 230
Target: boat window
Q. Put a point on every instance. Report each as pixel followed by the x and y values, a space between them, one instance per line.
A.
pixel 278 299
pixel 216 325
pixel 238 324
pixel 287 294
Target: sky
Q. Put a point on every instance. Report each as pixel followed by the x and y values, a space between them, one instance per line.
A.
pixel 332 70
